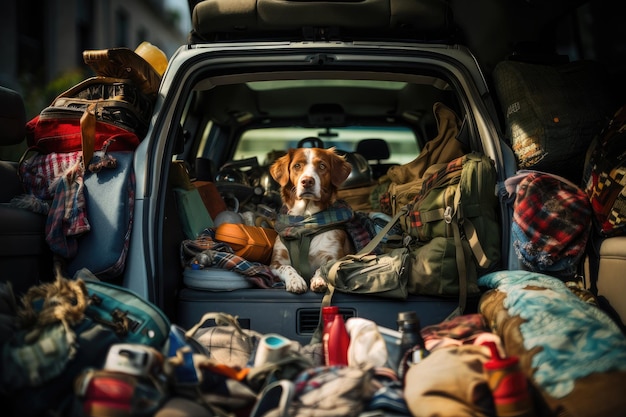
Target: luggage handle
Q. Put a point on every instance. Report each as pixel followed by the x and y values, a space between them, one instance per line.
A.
pixel 221 319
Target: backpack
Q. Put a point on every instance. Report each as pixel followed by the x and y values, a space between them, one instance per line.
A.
pixel 405 181
pixel 42 358
pixel 604 178
pixel 455 229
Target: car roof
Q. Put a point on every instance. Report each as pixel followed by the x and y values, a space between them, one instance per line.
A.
pixel 214 20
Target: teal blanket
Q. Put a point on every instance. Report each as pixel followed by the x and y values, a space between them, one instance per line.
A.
pixel 576 338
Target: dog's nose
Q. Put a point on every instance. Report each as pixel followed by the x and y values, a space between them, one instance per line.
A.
pixel 307 182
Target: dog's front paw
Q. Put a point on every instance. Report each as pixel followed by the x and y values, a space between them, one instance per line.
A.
pixel 318 284
pixel 293 281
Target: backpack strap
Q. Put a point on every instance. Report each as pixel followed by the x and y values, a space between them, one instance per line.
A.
pixel 461 256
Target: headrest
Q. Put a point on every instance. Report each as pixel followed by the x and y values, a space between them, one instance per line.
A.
pixel 373 149
pixel 12 117
pixel 361 173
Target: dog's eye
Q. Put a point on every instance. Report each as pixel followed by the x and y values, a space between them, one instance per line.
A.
pixel 297 166
pixel 322 166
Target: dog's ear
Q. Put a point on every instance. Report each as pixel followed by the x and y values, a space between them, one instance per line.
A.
pixel 341 168
pixel 279 170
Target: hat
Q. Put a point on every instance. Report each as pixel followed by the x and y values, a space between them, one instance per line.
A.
pixel 551 224
pixel 153 55
pixel 144 66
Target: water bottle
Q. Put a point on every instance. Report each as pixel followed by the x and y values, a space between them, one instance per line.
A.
pixel 328 317
pixel 338 342
pixel 412 348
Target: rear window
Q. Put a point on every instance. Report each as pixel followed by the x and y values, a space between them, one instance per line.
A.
pixel 261 143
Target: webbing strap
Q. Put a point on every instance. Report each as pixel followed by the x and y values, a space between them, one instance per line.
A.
pixel 88 133
pixel 299 253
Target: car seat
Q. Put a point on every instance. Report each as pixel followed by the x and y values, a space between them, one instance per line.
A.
pixel 375 150
pixel 25 258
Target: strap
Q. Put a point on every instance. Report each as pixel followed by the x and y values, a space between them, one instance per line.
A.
pixel 297 247
pixel 88 133
pixel 369 248
pixel 221 319
pixel 477 249
pixel 460 257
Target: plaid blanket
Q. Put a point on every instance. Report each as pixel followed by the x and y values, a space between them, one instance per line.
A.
pixel 338 215
pixel 57 180
pixel 294 227
pixel 205 252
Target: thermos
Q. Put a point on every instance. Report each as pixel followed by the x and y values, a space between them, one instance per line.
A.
pixel 412 349
pixel 508 385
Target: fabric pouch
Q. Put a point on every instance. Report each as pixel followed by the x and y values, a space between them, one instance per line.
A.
pixel 383 275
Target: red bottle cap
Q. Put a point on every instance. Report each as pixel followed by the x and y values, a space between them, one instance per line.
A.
pixel 497 361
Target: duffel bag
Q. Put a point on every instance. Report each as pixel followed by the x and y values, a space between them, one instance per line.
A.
pixel 121 112
pixel 58 130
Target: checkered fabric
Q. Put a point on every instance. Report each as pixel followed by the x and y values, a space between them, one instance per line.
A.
pixel 551 223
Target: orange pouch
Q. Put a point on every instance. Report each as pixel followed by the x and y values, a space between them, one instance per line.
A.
pixel 253 243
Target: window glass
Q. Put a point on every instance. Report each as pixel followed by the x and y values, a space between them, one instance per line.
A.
pixel 260 142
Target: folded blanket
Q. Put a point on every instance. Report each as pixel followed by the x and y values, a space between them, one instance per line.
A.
pixel 571 350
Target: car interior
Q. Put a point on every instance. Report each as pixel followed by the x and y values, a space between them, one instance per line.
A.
pixel 235 126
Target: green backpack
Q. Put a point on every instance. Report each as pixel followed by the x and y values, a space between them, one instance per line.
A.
pixel 39 365
pixel 455 228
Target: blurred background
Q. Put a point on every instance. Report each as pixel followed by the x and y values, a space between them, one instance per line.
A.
pixel 42 41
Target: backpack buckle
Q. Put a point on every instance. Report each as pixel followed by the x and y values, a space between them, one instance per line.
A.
pixel 447 215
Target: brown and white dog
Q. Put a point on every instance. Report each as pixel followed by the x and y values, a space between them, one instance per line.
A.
pixel 309 178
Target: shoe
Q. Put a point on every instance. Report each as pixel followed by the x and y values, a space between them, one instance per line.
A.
pixel 274 400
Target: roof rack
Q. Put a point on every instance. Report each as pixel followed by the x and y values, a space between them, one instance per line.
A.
pixel 214 20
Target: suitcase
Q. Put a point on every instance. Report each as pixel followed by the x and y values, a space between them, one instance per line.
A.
pixel 252 243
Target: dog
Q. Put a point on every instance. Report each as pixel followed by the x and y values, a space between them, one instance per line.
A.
pixel 309 179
